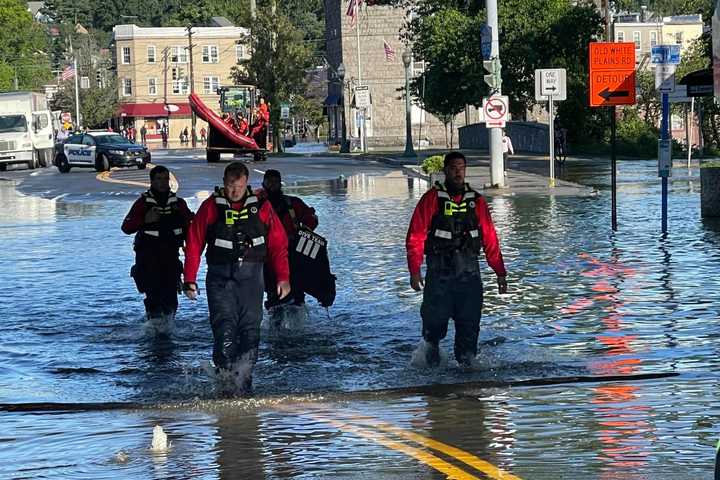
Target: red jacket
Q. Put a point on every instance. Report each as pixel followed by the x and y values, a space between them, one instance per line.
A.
pixel 420 225
pixel 207 215
pixel 135 219
pixel 303 214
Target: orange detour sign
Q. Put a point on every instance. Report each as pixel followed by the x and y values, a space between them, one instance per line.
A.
pixel 612 74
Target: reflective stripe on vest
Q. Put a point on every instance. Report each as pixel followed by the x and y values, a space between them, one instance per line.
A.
pixel 443 234
pixel 219 242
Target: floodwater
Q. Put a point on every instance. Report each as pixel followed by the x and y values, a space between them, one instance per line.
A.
pixel 336 396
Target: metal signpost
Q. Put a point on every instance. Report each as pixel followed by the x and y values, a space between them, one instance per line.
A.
pixel 612 82
pixel 362 103
pixel 665 58
pixel 550 85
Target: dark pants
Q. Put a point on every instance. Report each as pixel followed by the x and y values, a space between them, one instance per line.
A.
pixel 296 296
pixel 450 293
pixel 234 294
pixel 157 273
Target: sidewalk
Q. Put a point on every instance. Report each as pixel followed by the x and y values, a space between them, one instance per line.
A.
pixel 526 174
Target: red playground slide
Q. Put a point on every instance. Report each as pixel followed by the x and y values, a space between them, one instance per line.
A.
pixel 217 123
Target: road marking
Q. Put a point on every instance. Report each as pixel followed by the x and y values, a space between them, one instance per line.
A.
pixel 418 454
pixel 258 171
pixel 486 468
pixel 145 183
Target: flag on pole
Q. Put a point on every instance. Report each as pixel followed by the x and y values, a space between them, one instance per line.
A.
pixel 68 73
pixel 389 52
pixel 353 11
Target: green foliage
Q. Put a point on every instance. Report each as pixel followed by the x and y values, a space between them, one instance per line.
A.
pixel 23 48
pixel 432 164
pixel 278 64
pixel 635 137
pixel 97 105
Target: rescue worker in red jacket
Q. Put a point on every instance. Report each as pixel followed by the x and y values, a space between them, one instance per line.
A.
pixel 240 232
pixel 450 225
pixel 159 219
pixel 294 214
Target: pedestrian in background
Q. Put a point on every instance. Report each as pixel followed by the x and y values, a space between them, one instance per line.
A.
pixel 507 150
pixel 203 135
pixel 450 226
pixel 143 134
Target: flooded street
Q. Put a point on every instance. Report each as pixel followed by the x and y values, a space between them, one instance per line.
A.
pixel 336 397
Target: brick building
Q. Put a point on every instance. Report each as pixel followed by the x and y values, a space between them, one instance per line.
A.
pixel 153 72
pixel 385 123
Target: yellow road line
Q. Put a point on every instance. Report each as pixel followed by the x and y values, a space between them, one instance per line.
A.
pixel 486 468
pixel 420 455
pixel 107 177
pixel 467 458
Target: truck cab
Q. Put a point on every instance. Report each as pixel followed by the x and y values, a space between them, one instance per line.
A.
pixel 26 130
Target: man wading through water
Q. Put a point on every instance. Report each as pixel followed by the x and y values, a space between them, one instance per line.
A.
pixel 450 225
pixel 160 221
pixel 240 232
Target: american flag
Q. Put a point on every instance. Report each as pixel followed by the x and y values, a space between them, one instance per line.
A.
pixel 68 73
pixel 389 52
pixel 353 11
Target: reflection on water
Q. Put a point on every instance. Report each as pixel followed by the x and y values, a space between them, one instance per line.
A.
pixel 582 301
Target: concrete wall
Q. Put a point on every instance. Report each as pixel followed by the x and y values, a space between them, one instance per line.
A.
pixel 528 137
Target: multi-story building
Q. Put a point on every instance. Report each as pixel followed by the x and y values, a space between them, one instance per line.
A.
pixel 374 59
pixel 153 72
pixel 647 31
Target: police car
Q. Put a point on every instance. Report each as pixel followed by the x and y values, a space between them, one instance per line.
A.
pixel 100 150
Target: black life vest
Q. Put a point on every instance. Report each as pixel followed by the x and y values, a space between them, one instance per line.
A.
pixel 454 228
pixel 168 231
pixel 236 235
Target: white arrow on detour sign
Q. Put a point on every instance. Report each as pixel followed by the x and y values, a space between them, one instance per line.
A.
pixel 496 111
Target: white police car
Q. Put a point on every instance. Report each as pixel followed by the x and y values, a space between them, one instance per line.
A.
pixel 100 150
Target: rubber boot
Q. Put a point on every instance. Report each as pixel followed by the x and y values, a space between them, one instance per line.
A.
pixel 160 324
pixel 432 354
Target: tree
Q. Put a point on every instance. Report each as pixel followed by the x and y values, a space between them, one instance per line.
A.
pixel 278 64
pixel 97 104
pixel 23 48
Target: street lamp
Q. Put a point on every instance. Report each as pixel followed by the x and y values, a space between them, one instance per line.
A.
pixel 409 150
pixel 344 147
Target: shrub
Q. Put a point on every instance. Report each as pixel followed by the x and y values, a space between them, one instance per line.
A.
pixel 432 164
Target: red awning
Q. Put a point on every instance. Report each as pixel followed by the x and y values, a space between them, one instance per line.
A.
pixel 154 109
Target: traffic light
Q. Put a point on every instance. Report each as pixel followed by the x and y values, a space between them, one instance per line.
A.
pixel 493 80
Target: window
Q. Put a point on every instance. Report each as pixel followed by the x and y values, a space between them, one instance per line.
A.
pixel 636 40
pixel 653 39
pixel 179 55
pixel 210 54
pixel 151 54
pixel 88 140
pixel 127 87
pixel 152 86
pixel 40 121
pixel 179 82
pixel 210 84
pixel 74 139
pixel 620 36
pixel 239 52
pixel 125 55
pixel 679 38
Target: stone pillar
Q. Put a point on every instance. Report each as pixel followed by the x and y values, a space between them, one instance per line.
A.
pixel 710 189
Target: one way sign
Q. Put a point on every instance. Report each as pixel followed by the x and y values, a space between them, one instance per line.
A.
pixel 550 83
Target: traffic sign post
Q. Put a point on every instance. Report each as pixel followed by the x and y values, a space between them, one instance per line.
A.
pixel 665 58
pixel 550 85
pixel 612 83
pixel 362 96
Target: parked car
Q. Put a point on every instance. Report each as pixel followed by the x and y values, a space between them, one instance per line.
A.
pixel 100 150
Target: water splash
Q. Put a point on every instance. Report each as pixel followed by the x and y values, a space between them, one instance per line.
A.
pixel 420 354
pixel 285 318
pixel 159 326
pixel 160 443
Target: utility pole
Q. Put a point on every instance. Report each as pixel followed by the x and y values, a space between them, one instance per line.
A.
pixel 165 52
pixel 363 139
pixel 497 173
pixel 192 85
pixel 253 9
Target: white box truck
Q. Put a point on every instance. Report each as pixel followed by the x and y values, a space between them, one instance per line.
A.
pixel 26 130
